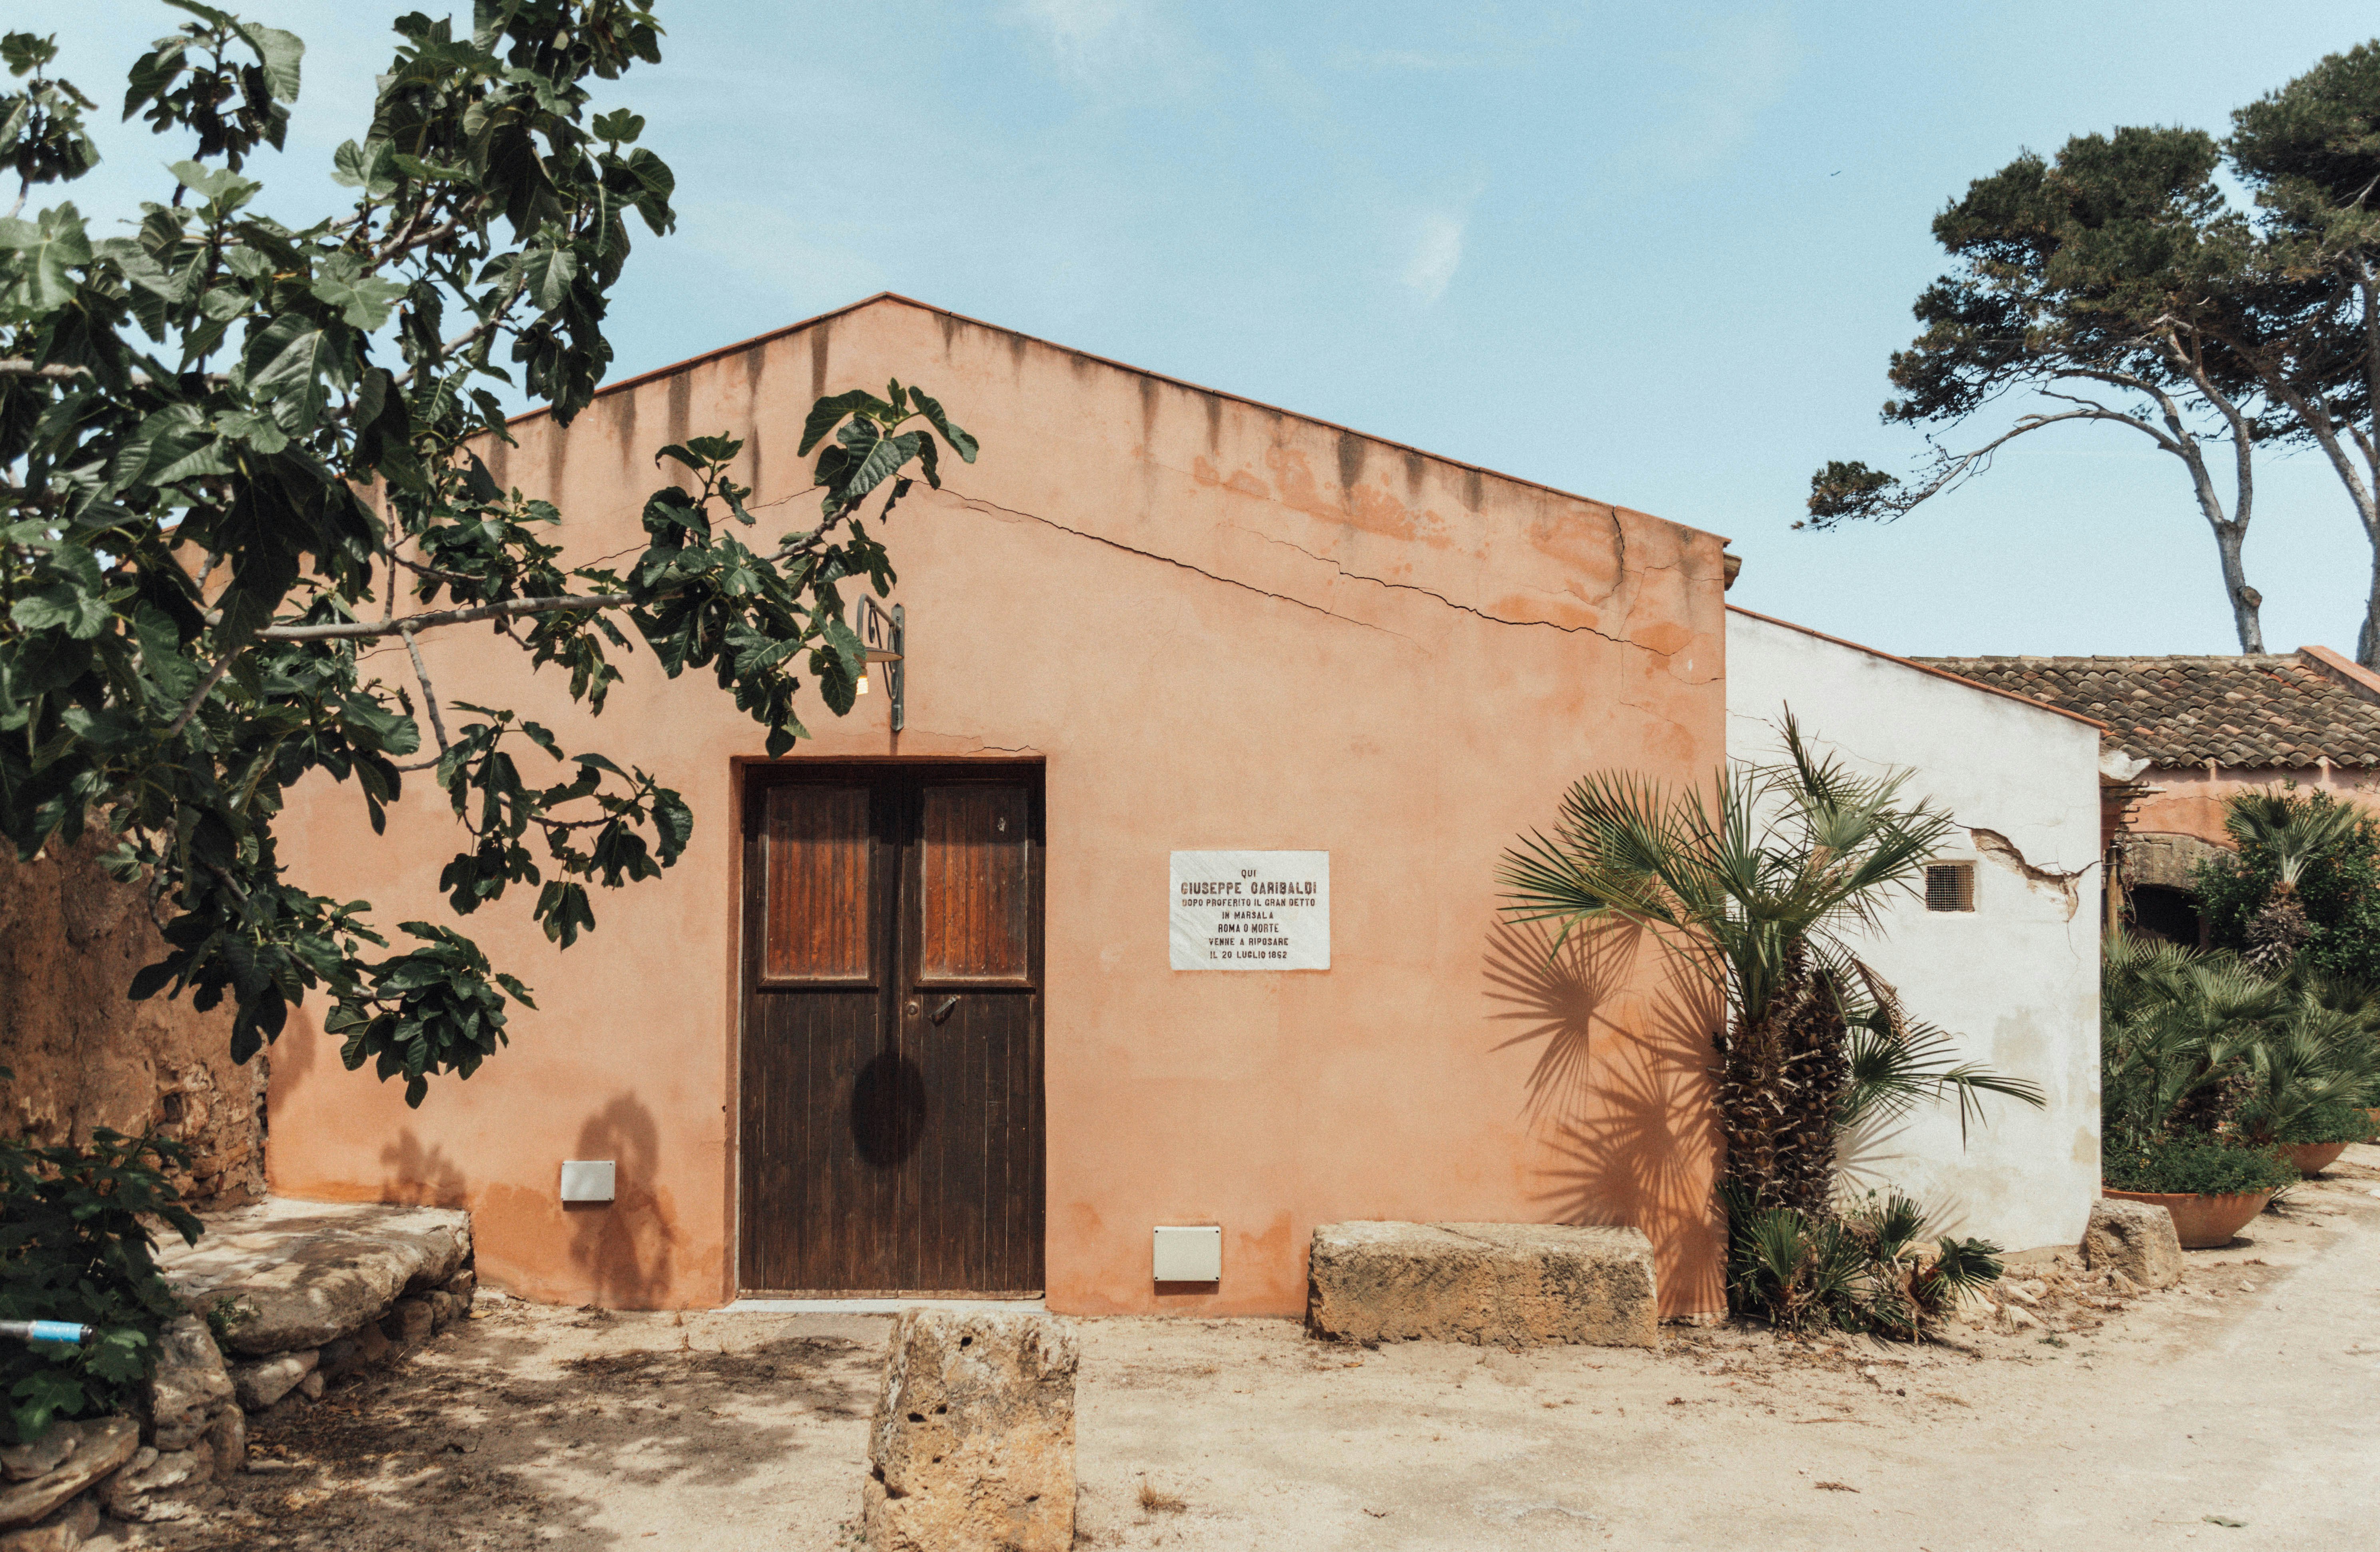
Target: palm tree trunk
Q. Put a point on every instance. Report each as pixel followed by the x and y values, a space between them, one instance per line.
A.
pixel 1780 1082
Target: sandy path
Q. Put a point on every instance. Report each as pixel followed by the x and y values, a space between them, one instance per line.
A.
pixel 2248 1395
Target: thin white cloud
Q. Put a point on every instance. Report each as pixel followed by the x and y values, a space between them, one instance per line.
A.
pixel 1435 254
pixel 1094 40
pixel 1739 71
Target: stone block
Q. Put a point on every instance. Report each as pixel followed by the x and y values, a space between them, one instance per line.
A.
pixel 160 1486
pixel 63 1531
pixel 1507 1284
pixel 266 1381
pixel 228 1437
pixel 408 1323
pixel 373 1343
pixel 298 1274
pixel 340 1358
pixel 188 1387
pixel 22 1462
pixel 2135 1239
pixel 973 1442
pixel 102 1444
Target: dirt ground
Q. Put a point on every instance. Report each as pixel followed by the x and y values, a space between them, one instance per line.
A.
pixel 2235 1411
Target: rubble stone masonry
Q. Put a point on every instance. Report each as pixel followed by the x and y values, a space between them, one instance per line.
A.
pixel 85 1056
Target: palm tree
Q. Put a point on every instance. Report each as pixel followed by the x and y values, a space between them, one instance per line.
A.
pixel 2175 1026
pixel 2200 1044
pixel 2291 831
pixel 1760 890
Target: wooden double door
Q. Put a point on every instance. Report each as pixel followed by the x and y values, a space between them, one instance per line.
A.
pixel 891 1134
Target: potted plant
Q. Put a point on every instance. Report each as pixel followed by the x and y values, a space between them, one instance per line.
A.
pixel 2313 1140
pixel 2212 1188
pixel 2185 1046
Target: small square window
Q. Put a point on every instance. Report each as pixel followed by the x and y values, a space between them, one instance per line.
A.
pixel 1950 886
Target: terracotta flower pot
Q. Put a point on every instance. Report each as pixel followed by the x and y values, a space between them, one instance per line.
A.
pixel 2203 1223
pixel 2313 1159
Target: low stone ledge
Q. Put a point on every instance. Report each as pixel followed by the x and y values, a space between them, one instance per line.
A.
pixel 305 1291
pixel 292 1276
pixel 1499 1284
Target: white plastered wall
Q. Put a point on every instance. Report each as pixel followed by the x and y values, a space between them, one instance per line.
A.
pixel 2016 981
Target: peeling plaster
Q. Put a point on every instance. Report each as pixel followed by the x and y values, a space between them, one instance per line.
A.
pixel 2046 881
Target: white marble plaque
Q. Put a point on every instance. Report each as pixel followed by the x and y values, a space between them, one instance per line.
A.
pixel 1251 911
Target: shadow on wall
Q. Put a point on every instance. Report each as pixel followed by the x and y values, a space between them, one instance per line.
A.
pixel 1881 1156
pixel 627 1247
pixel 420 1177
pixel 1626 1108
pixel 294 1054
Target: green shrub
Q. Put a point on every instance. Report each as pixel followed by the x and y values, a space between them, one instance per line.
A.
pixel 2194 1165
pixel 73 1247
pixel 2338 1121
pixel 2338 891
pixel 1860 1270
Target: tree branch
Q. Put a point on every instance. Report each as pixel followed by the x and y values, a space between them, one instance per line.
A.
pixel 428 693
pixel 2094 410
pixel 206 688
pixel 19 367
pixel 407 241
pixel 362 630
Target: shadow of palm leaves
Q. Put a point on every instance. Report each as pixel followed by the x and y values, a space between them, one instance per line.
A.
pixel 1621 1089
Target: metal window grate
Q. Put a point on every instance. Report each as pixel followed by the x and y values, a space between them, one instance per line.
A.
pixel 1950 886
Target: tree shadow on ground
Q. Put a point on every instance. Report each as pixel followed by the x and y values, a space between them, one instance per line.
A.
pixel 493 1438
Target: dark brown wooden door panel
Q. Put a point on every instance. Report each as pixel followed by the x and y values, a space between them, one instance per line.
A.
pixel 891 1134
pixel 816 845
pixel 974 901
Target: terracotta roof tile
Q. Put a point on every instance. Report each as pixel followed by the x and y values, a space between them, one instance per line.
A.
pixel 2249 712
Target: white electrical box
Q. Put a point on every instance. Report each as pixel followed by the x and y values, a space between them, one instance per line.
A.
pixel 1189 1254
pixel 587 1179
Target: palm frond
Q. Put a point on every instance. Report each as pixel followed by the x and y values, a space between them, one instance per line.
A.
pixel 1891 1075
pixel 2290 828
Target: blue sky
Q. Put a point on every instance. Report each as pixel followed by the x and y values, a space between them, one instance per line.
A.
pixel 1655 255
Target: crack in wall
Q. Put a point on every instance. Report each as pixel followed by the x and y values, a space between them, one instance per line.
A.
pixel 980 504
pixel 977 739
pixel 2048 881
pixel 1465 608
pixel 1620 547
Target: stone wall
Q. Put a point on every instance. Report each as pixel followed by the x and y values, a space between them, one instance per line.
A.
pixel 2166 861
pixel 85 1056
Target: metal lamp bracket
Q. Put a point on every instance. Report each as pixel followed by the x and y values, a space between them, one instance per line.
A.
pixel 884 638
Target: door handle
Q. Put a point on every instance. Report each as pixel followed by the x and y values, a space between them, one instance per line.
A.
pixel 945 1011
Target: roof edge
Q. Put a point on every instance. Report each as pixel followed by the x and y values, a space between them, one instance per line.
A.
pixel 692 361
pixel 2356 678
pixel 1924 668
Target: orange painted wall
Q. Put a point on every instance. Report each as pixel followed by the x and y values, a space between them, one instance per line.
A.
pixel 1220 627
pixel 2188 799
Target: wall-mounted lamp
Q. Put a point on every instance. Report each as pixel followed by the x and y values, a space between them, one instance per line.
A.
pixel 882 638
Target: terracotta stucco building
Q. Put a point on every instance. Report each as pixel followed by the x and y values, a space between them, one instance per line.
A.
pixel 908 1016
